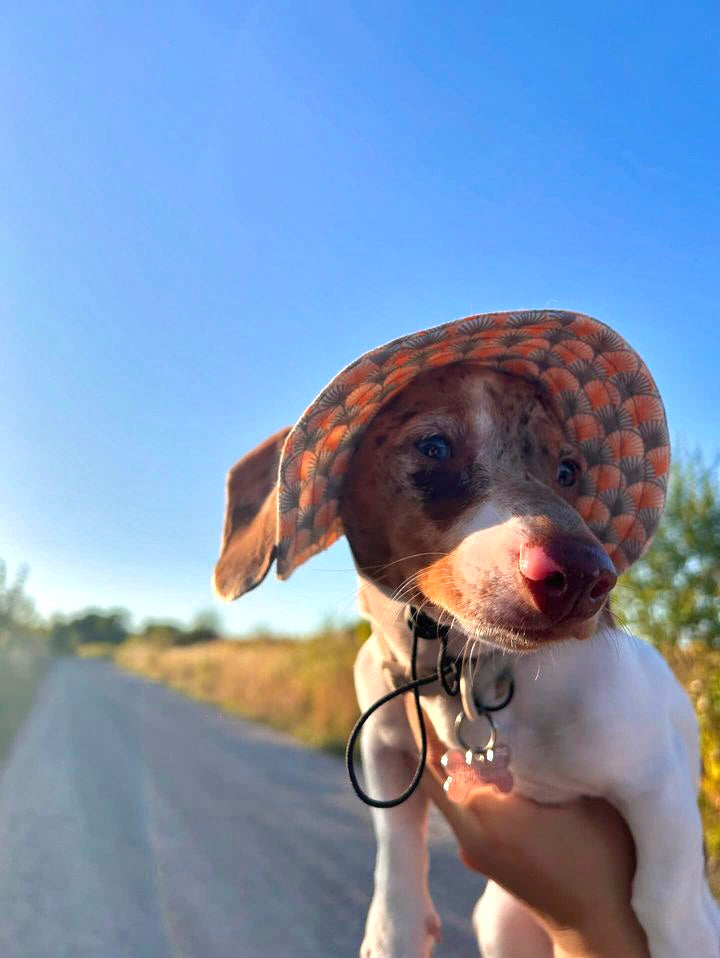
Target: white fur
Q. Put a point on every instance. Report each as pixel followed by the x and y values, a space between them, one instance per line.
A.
pixel 602 717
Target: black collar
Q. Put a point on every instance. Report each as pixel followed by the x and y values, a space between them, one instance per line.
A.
pixel 423 626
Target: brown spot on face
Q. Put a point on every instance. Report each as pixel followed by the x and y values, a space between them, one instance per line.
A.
pixel 446 489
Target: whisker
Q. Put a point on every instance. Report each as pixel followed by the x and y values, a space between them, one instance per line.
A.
pixel 379 569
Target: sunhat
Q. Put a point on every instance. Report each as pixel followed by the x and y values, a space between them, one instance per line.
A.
pixel 602 391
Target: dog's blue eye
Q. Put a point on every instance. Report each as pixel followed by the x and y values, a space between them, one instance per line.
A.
pixel 434 447
pixel 567 473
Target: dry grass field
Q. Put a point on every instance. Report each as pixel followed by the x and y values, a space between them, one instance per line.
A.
pixel 306 688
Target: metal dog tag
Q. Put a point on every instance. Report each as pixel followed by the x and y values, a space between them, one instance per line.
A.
pixel 470 769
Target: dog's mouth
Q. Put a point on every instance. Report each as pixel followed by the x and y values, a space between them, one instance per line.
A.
pixel 508 622
pixel 512 637
pixel 549 603
pixel 528 640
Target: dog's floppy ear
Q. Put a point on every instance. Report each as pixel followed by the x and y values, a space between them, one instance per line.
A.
pixel 248 541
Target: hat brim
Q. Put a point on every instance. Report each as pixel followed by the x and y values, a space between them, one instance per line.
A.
pixel 610 407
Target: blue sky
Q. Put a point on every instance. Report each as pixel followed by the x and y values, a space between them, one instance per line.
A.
pixel 207 209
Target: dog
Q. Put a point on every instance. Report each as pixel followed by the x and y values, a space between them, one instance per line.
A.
pixel 496 473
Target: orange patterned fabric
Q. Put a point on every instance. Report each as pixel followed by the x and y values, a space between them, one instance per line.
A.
pixel 603 392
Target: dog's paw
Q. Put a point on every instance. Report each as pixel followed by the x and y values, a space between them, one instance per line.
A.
pixel 395 930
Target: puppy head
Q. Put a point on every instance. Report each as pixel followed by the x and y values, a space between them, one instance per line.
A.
pixel 462 494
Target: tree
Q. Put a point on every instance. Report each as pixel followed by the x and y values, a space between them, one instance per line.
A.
pixel 161 633
pixel 204 628
pixel 17 611
pixel 61 637
pixel 672 595
pixel 93 626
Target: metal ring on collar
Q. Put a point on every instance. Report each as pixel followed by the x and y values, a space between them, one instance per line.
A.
pixel 475 749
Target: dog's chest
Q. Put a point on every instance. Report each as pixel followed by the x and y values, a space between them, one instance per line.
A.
pixel 551 760
pixel 569 725
pixel 558 749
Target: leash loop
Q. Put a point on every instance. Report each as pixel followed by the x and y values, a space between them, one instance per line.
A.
pixel 414 686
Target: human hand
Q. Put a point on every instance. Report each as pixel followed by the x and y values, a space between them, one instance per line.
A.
pixel 572 865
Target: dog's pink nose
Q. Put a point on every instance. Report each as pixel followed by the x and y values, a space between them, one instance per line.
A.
pixel 566 577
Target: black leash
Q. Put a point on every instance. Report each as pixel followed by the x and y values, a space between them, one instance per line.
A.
pixel 423 627
pixel 447 671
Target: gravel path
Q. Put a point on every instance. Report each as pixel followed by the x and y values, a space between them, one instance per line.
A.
pixel 134 822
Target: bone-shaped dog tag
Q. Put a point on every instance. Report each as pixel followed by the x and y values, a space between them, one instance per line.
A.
pixel 461 775
pixel 468 770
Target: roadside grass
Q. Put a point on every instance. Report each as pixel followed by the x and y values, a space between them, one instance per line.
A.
pixel 698 669
pixel 21 671
pixel 306 688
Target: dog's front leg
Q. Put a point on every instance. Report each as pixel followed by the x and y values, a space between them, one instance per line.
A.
pixel 402 922
pixel 670 896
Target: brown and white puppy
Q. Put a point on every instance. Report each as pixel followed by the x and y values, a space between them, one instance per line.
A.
pixel 459 499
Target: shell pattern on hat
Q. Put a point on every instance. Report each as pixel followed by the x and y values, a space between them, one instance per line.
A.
pixel 602 390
